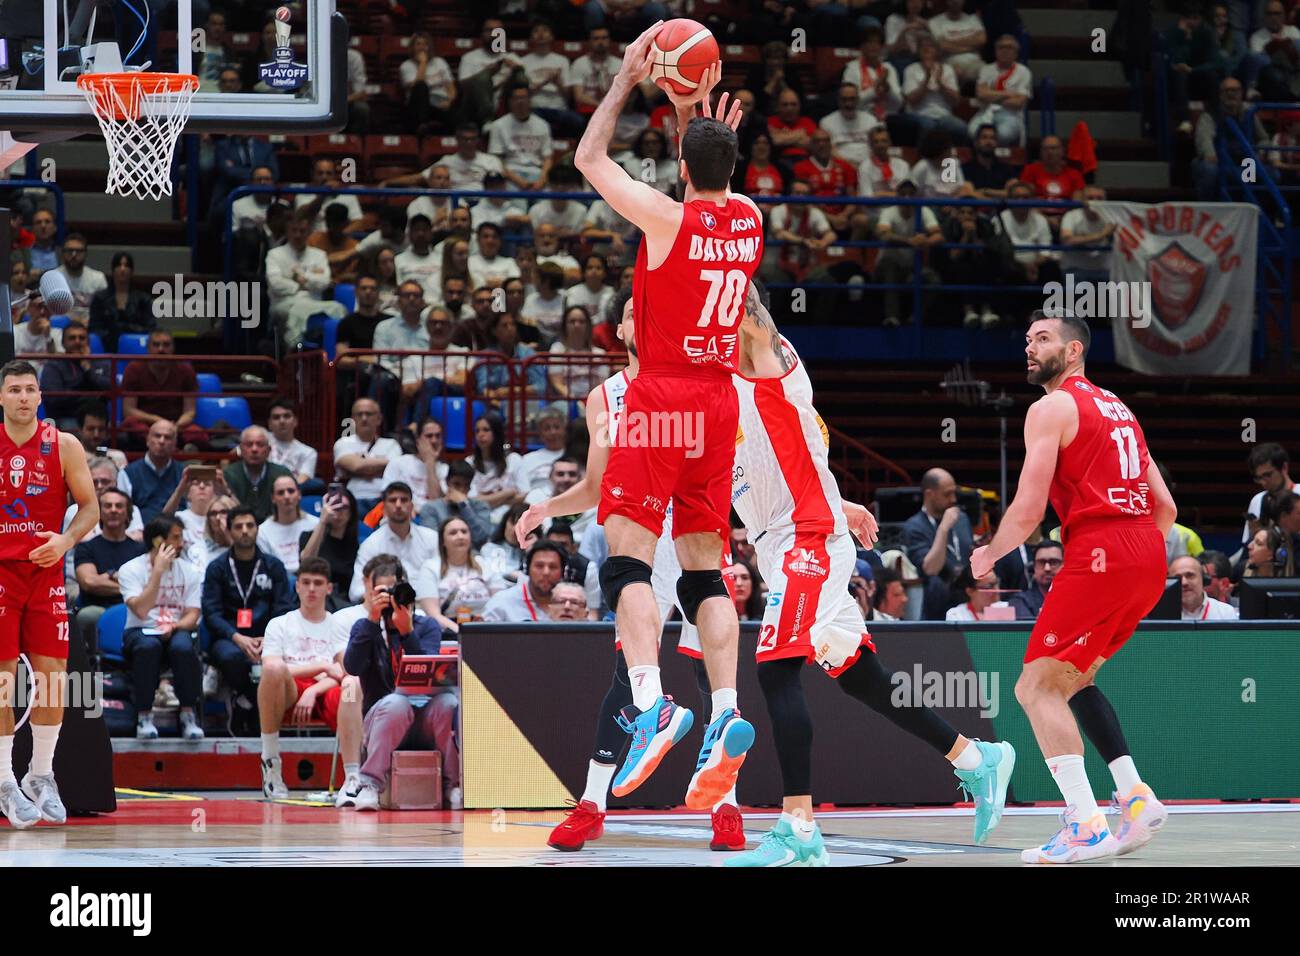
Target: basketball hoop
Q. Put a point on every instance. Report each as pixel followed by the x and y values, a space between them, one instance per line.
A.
pixel 142 115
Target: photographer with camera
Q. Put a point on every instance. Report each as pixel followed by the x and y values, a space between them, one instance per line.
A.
pixel 388 629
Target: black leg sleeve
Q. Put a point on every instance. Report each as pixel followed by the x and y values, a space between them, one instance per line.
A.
pixel 867 681
pixel 1098 720
pixel 611 740
pixel 706 691
pixel 792 727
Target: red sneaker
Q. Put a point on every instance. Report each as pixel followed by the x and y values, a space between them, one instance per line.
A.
pixel 728 829
pixel 584 822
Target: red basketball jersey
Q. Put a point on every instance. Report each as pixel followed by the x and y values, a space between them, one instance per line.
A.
pixel 1102 474
pixel 33 496
pixel 688 309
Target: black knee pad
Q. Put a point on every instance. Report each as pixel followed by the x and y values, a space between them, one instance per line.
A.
pixel 696 587
pixel 617 573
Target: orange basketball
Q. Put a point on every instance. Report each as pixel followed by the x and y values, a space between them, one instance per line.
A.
pixel 683 49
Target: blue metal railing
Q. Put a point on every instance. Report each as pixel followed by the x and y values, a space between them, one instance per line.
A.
pixel 1046 107
pixel 60 207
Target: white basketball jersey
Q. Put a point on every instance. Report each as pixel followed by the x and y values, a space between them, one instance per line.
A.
pixel 781 477
pixel 615 389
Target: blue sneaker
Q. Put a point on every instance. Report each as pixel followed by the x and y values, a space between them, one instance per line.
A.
pixel 726 741
pixel 654 732
pixel 987 785
pixel 780 847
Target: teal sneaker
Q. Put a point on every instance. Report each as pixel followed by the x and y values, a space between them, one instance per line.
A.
pixel 654 732
pixel 780 847
pixel 987 785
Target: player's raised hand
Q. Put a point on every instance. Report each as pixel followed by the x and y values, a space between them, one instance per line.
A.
pixel 529 522
pixel 708 80
pixel 639 56
pixel 862 523
pixel 51 552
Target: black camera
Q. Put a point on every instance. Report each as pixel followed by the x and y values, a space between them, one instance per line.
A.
pixel 403 595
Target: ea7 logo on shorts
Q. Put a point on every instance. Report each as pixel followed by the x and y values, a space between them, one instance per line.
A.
pixel 806 564
pixel 710 221
pixel 1050 639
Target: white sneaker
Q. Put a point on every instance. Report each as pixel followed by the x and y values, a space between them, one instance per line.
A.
pixel 1141 816
pixel 989 318
pixel 970 319
pixel 190 729
pixel 454 799
pixel 165 696
pixel 211 681
pixel 44 793
pixel 367 798
pixel 1076 842
pixel 144 728
pixel 273 787
pixel 347 795
pixel 20 812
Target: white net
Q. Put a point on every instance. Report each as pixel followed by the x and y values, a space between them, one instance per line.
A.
pixel 142 116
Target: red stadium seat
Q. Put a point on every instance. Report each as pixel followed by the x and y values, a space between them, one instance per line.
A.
pixel 337 145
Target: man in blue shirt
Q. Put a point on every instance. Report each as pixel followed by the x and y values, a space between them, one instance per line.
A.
pixel 938 541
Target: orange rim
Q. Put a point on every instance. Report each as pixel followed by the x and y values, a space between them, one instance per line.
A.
pixel 132 88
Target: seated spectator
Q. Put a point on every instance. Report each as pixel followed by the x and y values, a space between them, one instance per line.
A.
pixel 92 429
pixel 509 214
pixel 546 239
pixel 930 93
pixel 498 479
pixel 197 493
pixel 492 379
pixel 37 336
pixel 760 175
pixel 580 569
pixel 397 535
pixel 334 538
pixel 879 93
pixel 625 18
pixel 548 79
pixel 961 37
pixel 161 593
pixel 502 555
pixel 651 162
pixel 357 331
pixel 849 128
pixel 488 267
pixel 979 264
pixel 1205 167
pixel 428 85
pixel 484 72
pixel 522 141
pixel 82 375
pixel 456 503
pixel 569 602
pixel 1197 605
pixel 83 280
pixel 215 539
pixel 455 588
pixel 828 175
pixel 745 591
pixel 148 378
pixel 903 32
pixel 250 211
pixel 1270 469
pixel 889 601
pixel 404 332
pixel 358 108
pixel 419 263
pixel 17 284
pixel 279 534
pixel 1027 228
pixel 530 599
pixel 303 680
pixel 1048 558
pixel 1273 51
pixel 423 471
pixel 428 376
pixel 987 174
pixel 576 381
pixel 550 422
pixel 390 235
pixel 235 157
pixel 790 130
pixel 324 172
pixel 1087 227
pixel 1262 558
pixel 592 293
pixel 1216 566
pixel 469 166
pixel 1194 63
pixel 979 596
pixel 805 233
pixel 938 540
pixel 42 254
pixel 593 74
pixel 1004 88
pixel 297 276
pixel 1051 177
pixel 1230 49
pixel 1286 163
pixel 339 248
pixel 286 449
pixel 881 173
pixel 97 561
pixel 937 173
pixel 242 592
pixel 252 477
pixel 360 458
pixel 104 475
pixel 565 473
pixel 772 77
pixel 897 225
pixel 378 639
pixel 152 479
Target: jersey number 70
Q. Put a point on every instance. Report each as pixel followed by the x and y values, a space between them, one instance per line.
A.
pixel 726 296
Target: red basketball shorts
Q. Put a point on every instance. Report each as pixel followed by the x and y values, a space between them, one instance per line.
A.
pixel 1114 573
pixel 676 441
pixel 327 704
pixel 33 611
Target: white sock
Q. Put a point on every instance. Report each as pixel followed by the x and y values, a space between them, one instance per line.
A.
pixel 599 777
pixel 728 801
pixel 803 827
pixel 351 770
pixel 44 739
pixel 646 688
pixel 1067 771
pixel 1125 773
pixel 270 746
pixel 7 760
pixel 723 699
pixel 970 758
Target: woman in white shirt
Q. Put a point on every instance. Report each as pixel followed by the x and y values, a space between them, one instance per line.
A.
pixel 496 470
pixel 544 309
pixel 199 498
pixel 279 534
pixel 215 539
pixel 386 275
pixel 930 92
pixel 429 84
pixel 464 584
pixel 576 380
pixel 979 596
pixel 650 162
pixel 591 293
pixel 502 557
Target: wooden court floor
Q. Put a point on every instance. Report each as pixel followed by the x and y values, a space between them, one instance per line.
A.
pixel 239 829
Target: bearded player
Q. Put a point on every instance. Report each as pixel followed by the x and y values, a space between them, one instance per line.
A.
pixel 692 270
pixel 39 466
pixel 1085 451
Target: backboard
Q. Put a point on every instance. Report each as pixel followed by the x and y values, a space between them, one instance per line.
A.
pixel 292 67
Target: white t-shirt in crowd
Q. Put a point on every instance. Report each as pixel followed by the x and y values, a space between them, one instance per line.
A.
pixel 416 548
pixel 1262 38
pixel 179 589
pixel 1211 610
pixel 547 212
pixel 535 469
pixel 545 314
pixel 387 448
pixel 497 212
pixel 902 220
pixel 865 77
pixel 281 540
pixel 593 302
pixel 930 181
pixel 934 103
pixel 249 213
pixel 341 622
pixel 871 177
pixel 300 641
pixel 1034 231
pixel 298 457
pixel 807 222
pixel 468 173
pixel 491 272
pixel 417 368
pixel 423 269
pixel 1021 81
pixel 410 469
pixel 551 94
pixel 849 136
pixel 1077 223
pixel 346 199
pixel 595 76
pixel 437 74
pixel 522 145
pixel 967 25
pixel 491 481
